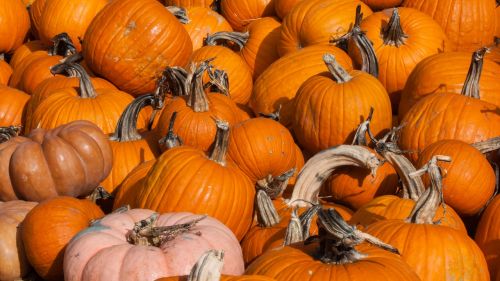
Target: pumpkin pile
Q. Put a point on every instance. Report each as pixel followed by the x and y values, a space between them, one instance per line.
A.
pixel 207 140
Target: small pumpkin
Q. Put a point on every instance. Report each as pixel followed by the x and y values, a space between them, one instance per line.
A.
pixel 488 236
pixel 25 50
pixel 48 228
pixel 14 25
pixel 12 106
pixel 240 13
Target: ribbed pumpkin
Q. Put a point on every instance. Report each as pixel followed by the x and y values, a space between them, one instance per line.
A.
pixel 447 72
pixel 130 148
pixel 204 21
pixel 70 160
pixel 469 25
pixel 401 38
pixel 36 10
pixel 488 236
pixel 277 86
pixel 328 109
pixel 12 104
pixel 15 266
pixel 48 228
pixel 240 13
pixel 72 17
pixel 283 7
pixel 494 53
pixel 5 72
pixel 142 245
pixel 14 25
pixel 101 106
pixel 340 252
pixel 192 3
pixel 382 4
pixel 24 50
pixel 257 43
pixel 195 113
pixel 127 191
pixel 469 172
pixel 238 72
pixel 184 178
pixel 131 50
pixel 316 22
pixel 434 251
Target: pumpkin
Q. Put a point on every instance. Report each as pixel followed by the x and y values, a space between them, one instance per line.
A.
pixel 488 236
pixel 5 72
pixel 70 160
pixel 495 48
pixel 14 264
pixel 401 38
pixel 238 72
pixel 130 148
pixel 266 152
pixel 468 173
pixel 14 25
pixel 447 72
pixel 131 50
pixel 25 50
pixel 203 21
pixel 12 104
pixel 126 193
pixel 343 253
pixel 240 13
pixel 127 239
pixel 468 25
pixel 257 43
pixel 48 228
pixel 196 112
pixel 434 251
pixel 320 123
pixel 283 7
pixel 71 17
pixel 36 10
pixel 277 86
pixel 193 3
pixel 101 106
pixel 382 4
pixel 184 178
pixel 316 22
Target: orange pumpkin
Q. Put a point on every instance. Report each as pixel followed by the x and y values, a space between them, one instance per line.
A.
pixel 382 4
pixel 14 25
pixel 283 7
pixel 240 13
pixel 127 191
pixel 203 21
pixel 48 228
pixel 12 106
pixel 193 3
pixel 488 236
pixel 36 10
pixel 25 50
pixel 5 72
pixel 494 53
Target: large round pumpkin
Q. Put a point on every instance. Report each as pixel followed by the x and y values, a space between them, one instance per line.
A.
pixel 48 228
pixel 130 49
pixel 488 236
pixel 14 25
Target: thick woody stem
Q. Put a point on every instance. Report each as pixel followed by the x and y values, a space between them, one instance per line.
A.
pixel 393 33
pixel 180 13
pixel 99 193
pixel 267 216
pixel 62 45
pixel 238 38
pixel 293 233
pixel 6 133
pixel 221 142
pixel 471 85
pixel 87 90
pixel 198 100
pixel 126 129
pixel 370 61
pixel 339 73
pixel 175 81
pixel 488 145
pixel 171 140
pixel 219 81
pixel 363 128
pixel 275 186
pixel 208 267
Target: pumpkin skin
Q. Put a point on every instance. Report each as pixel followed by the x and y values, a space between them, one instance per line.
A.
pixel 240 13
pixel 97 252
pixel 25 50
pixel 12 104
pixel 469 25
pixel 488 236
pixel 190 3
pixel 435 252
pixel 224 278
pixel 238 72
pixel 35 72
pixel 494 53
pixel 283 7
pixel 296 262
pixel 36 10
pixel 5 72
pixel 127 191
pixel 15 266
pixel 69 160
pixel 72 17
pixel 317 22
pixel 62 218
pixel 469 172
pixel 14 25
pixel 455 117
pixel 382 4
pixel 269 92
pixel 131 50
pixel 446 72
pixel 203 21
pixel 396 62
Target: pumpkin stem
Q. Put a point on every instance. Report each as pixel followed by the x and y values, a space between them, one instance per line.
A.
pixel 339 73
pixel 293 233
pixel 219 81
pixel 174 80
pixel 488 145
pixel 338 239
pixel 6 133
pixel 221 142
pixel 145 233
pixel 171 140
pixel 180 13
pixel 126 129
pixel 238 38
pixel 198 100
pixel 427 205
pixel 274 115
pixel 64 68
pixel 370 61
pixel 363 128
pixel 274 186
pixel 208 267
pixel 267 216
pixel 319 167
pixel 87 90
pixel 471 85
pixel 62 45
pixel 99 193
pixel 216 6
pixel 393 34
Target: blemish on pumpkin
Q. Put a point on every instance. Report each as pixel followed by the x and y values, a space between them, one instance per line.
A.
pixel 130 27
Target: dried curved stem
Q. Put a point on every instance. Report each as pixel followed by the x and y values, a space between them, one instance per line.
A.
pixel 274 186
pixel 267 216
pixel 171 140
pixel 293 233
pixel 180 13
pixel 471 85
pixel 208 267
pixel 219 81
pixel 126 129
pixel 175 79
pixel 488 145
pixel 323 164
pixel 62 45
pixel 393 33
pixel 6 133
pixel 198 100
pixel 221 142
pixel 99 193
pixel 370 61
pixel 339 73
pixel 238 38
pixel 363 128
pixel 87 90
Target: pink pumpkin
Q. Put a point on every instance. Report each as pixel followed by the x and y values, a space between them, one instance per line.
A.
pixel 103 251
